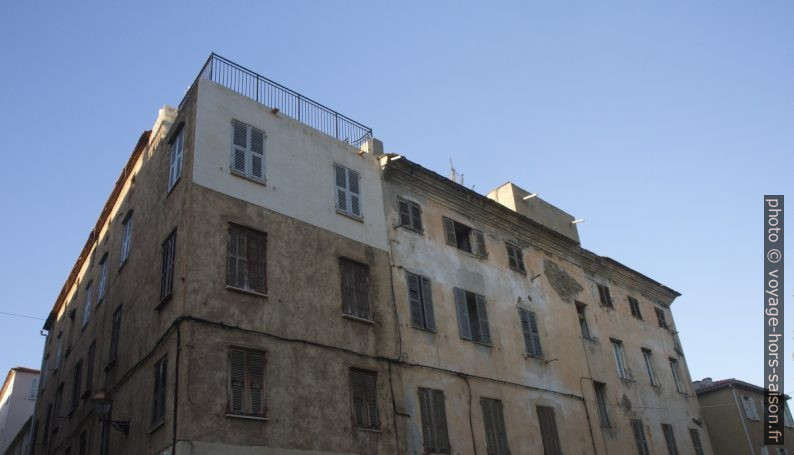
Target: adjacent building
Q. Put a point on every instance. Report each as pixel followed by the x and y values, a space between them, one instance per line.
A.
pixel 733 410
pixel 264 279
pixel 17 400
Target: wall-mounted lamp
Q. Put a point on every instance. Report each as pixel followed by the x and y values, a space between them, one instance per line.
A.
pixel 102 405
pixel 530 196
pixel 577 221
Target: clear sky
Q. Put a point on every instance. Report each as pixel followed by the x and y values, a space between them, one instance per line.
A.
pixel 662 124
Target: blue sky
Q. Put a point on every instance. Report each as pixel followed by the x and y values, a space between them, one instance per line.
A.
pixel 662 124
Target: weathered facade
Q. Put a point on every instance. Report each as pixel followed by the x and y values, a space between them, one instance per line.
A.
pixel 263 279
pixel 17 399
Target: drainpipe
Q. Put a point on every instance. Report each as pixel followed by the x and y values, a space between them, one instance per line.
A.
pixel 744 426
pixel 176 384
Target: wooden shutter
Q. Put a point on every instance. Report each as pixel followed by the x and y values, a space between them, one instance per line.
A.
pixel 232 272
pixel 239 146
pixel 405 212
pixel 548 431
pixel 427 304
pixel 363 388
pixel 255 376
pixel 440 422
pixel 255 260
pixel 526 330
pixel 490 427
pixel 482 315
pixel 341 187
pixel 463 314
pixel 607 296
pixel 257 154
pixel 348 294
pixel 669 439
pixel 415 300
pixel 362 290
pixel 236 380
pixel 416 216
pixel 426 414
pixel 353 186
pixel 449 230
pixel 639 437
pixel 535 334
pixel 512 261
pixel 479 242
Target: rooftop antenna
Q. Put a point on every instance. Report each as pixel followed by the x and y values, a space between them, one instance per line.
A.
pixel 453 174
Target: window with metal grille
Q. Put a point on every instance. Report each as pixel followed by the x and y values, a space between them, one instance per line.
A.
pixel 248 151
pixel 676 375
pixel 89 369
pixel 103 278
pixel 464 238
pixel 87 304
pixel 472 316
pixel 410 214
pixel 603 295
pixel 529 327
pixel 639 437
pixel 246 382
pixel 620 359
pixel 167 272
pixel 247 259
pixel 634 305
pixel 694 434
pixel 115 333
pixel 750 411
pixel 660 318
pixel 515 258
pixel 348 193
pixel 601 403
pixel 158 401
pixel 126 238
pixel 548 431
pixel 647 357
pixel 77 375
pixel 495 432
pixel 355 288
pixel 175 166
pixel 363 398
pixel 420 297
pixel 580 312
pixel 669 439
pixel 434 421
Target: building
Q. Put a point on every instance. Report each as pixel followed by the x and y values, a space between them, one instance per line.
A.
pixel 264 279
pixel 17 399
pixel 733 412
pixel 20 445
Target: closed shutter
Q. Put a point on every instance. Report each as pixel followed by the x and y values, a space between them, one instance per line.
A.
pixel 669 439
pixel 548 431
pixel 255 372
pixel 495 433
pixel 482 315
pixel 449 230
pixel 526 330
pixel 639 437
pixel 255 259
pixel 236 380
pixel 535 335
pixel 415 299
pixel 520 259
pixel 341 188
pixel 362 291
pixel 427 304
pixel 426 411
pixel 405 212
pixel 239 146
pixel 463 314
pixel 479 242
pixel 440 422
pixel 348 294
pixel 363 388
pixel 355 205
pixel 257 154
pixel 512 261
pixel 416 216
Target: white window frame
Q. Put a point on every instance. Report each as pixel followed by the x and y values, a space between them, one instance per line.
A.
pixel 87 304
pixel 103 277
pixel 175 163
pixel 126 238
pixel 349 194
pixel 248 151
pixel 620 359
pixel 647 357
pixel 750 411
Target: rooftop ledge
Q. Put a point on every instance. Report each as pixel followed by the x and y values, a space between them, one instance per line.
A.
pixel 283 100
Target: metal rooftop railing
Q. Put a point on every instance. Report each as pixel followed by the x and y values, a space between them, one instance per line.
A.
pixel 290 103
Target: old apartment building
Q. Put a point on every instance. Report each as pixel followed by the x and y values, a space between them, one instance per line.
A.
pixel 265 280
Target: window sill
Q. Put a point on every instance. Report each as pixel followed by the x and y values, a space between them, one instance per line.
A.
pixel 539 358
pixel 409 228
pixel 627 380
pixel 424 329
pixel 523 272
pixel 247 417
pixel 262 182
pixel 246 291
pixel 171 190
pixel 359 319
pixel 590 339
pixel 360 219
pixel 163 302
pixel 156 426
pixel 371 430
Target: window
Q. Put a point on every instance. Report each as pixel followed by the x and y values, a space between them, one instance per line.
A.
pixel 639 437
pixel 515 258
pixel 548 431
pixel 114 337
pixel 750 410
pixel 246 268
pixel 635 307
pixel 580 309
pixel 248 151
pixel 495 433
pixel 355 288
pixel 58 350
pixel 620 359
pixel 56 410
pixel 789 422
pixel 661 318
pixel 647 356
pixel 529 327
pixel 158 402
pixel 669 439
pixel 348 195
pixel 410 214
pixel 45 437
pixel 434 421
pixel 87 304
pixel 126 238
pixel 167 272
pixel 420 296
pixel 76 377
pixel 601 403
pixel 464 238
pixel 363 396
pixel 676 375
pixel 103 278
pixel 83 444
pixel 694 434
pixel 472 317
pixel 603 295
pixel 246 382
pixel 175 167
pixel 33 393
pixel 89 369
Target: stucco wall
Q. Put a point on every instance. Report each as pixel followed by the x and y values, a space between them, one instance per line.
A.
pixel 16 406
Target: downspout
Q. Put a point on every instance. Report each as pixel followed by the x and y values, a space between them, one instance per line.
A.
pixel 744 426
pixel 176 384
